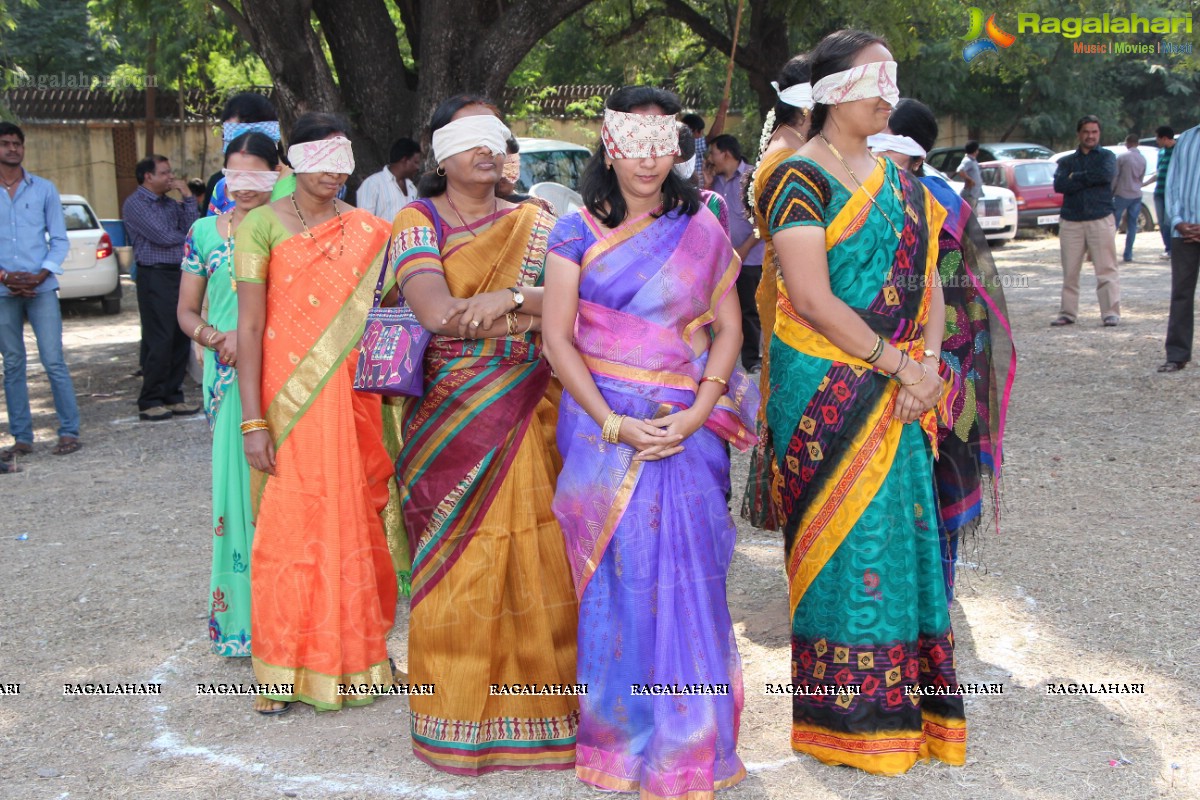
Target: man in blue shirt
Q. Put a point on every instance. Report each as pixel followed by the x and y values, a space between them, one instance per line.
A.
pixel 33 245
pixel 158 226
pixel 728 172
pixel 1183 220
pixel 1085 180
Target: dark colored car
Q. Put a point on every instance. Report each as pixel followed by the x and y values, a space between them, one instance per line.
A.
pixel 947 159
pixel 1032 181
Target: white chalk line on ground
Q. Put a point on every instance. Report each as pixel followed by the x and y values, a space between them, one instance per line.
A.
pixel 169 742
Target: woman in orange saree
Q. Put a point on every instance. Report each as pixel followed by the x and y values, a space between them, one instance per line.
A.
pixel 493 607
pixel 324 585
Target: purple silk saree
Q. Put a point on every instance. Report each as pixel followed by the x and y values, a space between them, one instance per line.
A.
pixel 650 543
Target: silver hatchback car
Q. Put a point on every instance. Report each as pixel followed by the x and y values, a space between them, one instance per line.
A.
pixel 90 269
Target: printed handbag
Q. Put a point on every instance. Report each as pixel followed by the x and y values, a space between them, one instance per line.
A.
pixel 391 359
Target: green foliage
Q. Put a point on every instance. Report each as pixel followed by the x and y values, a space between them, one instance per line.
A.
pixel 48 42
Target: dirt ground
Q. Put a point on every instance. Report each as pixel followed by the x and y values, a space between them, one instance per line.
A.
pixel 106 555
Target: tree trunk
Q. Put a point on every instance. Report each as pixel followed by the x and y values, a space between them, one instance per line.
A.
pixel 151 92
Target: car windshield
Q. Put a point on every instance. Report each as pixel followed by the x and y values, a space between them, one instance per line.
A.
pixel 1039 174
pixel 557 166
pixel 79 217
pixel 1021 151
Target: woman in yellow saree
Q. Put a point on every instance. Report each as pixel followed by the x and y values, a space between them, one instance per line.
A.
pixel 851 408
pixel 324 585
pixel 493 607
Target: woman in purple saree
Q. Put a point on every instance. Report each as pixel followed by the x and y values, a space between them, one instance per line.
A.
pixel 641 329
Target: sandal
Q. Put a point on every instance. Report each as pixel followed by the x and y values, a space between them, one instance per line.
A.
pixel 18 449
pixel 66 445
pixel 273 712
pixel 8 469
pixel 1172 366
pixel 1062 320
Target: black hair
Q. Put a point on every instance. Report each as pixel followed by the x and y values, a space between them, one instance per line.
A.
pixel 403 148
pixel 512 146
pixel 197 187
pixel 687 144
pixel 728 143
pixel 835 53
pixel 598 185
pixel 432 184
pixel 253 143
pixel 1165 131
pixel 1085 119
pixel 314 126
pixel 914 119
pixel 249 107
pixel 970 147
pixel 147 166
pixel 693 121
pixel 796 70
pixel 10 129
pixel 1131 139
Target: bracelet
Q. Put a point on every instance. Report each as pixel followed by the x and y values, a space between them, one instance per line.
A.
pixel 529 326
pixel 904 359
pixel 511 319
pixel 933 355
pixel 924 375
pixel 251 425
pixel 716 379
pixel 876 352
pixel 209 339
pixel 611 432
pixel 196 333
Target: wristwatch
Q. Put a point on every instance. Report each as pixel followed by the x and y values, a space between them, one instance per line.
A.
pixel 517 296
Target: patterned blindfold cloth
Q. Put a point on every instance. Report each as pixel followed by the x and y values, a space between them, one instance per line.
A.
pixel 250 180
pixel 877 79
pixel 323 155
pixel 512 167
pixel 626 135
pixel 232 130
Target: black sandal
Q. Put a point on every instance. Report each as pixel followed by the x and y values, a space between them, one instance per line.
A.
pixel 1172 366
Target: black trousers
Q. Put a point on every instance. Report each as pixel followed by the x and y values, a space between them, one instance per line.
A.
pixel 166 347
pixel 1185 266
pixel 747 285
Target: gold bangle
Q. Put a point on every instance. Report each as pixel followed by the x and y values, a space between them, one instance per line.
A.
pixel 529 326
pixel 876 351
pixel 716 379
pixel 924 375
pixel 196 333
pixel 251 425
pixel 511 319
pixel 209 339
pixel 611 431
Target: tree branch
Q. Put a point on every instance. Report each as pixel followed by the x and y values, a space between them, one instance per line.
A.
pixel 237 19
pixel 747 57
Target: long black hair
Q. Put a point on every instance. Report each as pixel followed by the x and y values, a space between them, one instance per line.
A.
pixel 253 143
pixel 835 53
pixel 598 185
pixel 431 184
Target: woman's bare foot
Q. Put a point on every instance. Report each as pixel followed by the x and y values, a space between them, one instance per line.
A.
pixel 268 707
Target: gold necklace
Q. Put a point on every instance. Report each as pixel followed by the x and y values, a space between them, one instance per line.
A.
pixel 229 251
pixel 879 208
pixel 309 234
pixel 457 213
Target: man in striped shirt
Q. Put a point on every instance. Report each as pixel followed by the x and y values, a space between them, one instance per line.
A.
pixel 1183 215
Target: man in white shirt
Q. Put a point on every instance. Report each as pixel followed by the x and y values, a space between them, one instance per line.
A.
pixel 391 189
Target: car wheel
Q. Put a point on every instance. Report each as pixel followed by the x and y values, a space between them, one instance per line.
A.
pixel 111 303
pixel 1145 223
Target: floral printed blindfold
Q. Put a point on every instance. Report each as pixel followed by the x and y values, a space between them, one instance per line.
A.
pixel 626 135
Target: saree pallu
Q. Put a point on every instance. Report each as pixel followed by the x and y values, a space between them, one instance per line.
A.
pixel 650 543
pixel 207 255
pixel 757 508
pixel 492 604
pixel 855 490
pixel 977 344
pixel 324 591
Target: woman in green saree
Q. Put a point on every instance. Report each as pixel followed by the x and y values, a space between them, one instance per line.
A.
pixel 853 366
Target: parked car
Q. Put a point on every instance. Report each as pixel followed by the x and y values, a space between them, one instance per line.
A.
pixel 1032 182
pixel 1148 216
pixel 947 159
pixel 996 211
pixel 551 160
pixel 90 269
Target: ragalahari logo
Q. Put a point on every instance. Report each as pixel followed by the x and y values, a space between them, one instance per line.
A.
pixel 981 43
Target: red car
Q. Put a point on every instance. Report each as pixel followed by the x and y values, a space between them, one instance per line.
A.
pixel 1032 181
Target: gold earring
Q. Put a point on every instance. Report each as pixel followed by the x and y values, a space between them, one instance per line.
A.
pixel 441 173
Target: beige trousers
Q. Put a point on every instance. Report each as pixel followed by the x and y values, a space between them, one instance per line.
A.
pixel 1098 237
